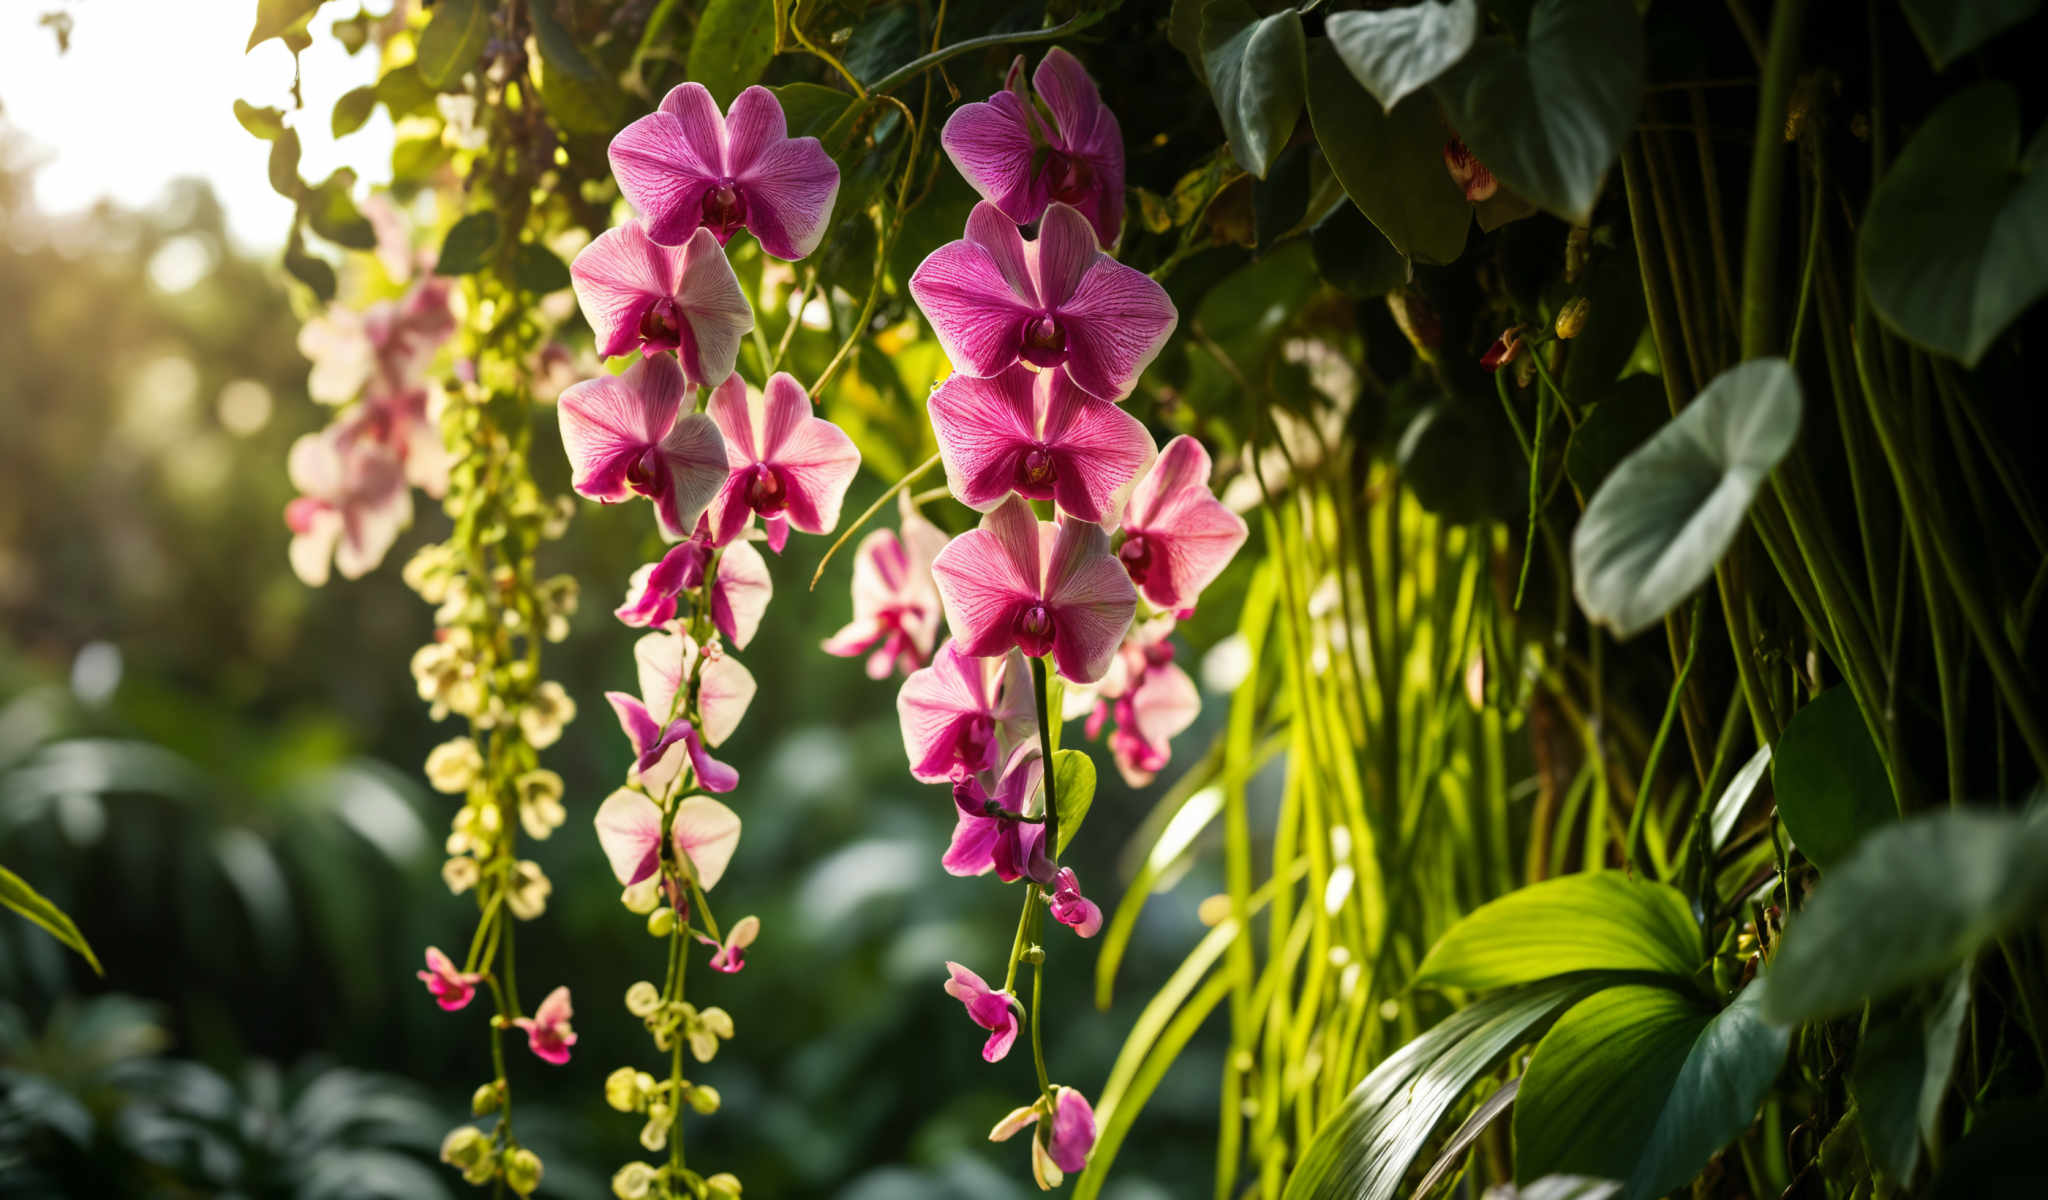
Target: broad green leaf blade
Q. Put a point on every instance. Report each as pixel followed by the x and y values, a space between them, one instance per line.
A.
pixel 1548 115
pixel 1391 164
pixel 332 213
pixel 1491 1109
pixel 1558 1187
pixel 1725 1078
pixel 265 123
pixel 1902 1069
pixel 352 110
pixel 1735 797
pixel 1830 782
pixel 1598 1082
pixel 1355 257
pixel 273 17
pixel 1942 1032
pixel 537 269
pixel 731 47
pixel 1073 780
pixel 284 165
pixel 1949 29
pixel 16 894
pixel 579 94
pixel 468 244
pixel 1666 515
pixel 1626 415
pixel 810 108
pixel 1364 1150
pixel 1256 65
pixel 1955 244
pixel 1598 921
pixel 1395 51
pixel 1913 899
pixel 453 40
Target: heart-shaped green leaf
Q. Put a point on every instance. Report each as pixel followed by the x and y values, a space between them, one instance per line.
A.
pixel 1548 115
pixel 468 244
pixel 732 45
pixel 1955 244
pixel 1726 1075
pixel 1391 164
pixel 1597 921
pixel 1950 29
pixel 1829 779
pixel 1396 50
pixel 1667 514
pixel 1073 781
pixel 1355 257
pixel 1912 900
pixel 453 40
pixel 353 109
pixel 1256 65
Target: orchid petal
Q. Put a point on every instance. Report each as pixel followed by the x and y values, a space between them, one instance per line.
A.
pixel 1189 534
pixel 740 593
pixel 987 575
pixel 706 833
pixel 1062 254
pixel 984 428
pixel 724 689
pixel 629 833
pixel 713 308
pixel 789 184
pixel 951 715
pixel 618 277
pixel 667 160
pixel 1091 598
pixel 973 311
pixel 609 422
pixel 815 457
pixel 1116 320
pixel 990 145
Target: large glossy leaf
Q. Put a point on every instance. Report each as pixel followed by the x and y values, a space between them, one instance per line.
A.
pixel 1597 1085
pixel 1666 515
pixel 1601 920
pixel 1391 164
pixel 1950 29
pixel 468 244
pixel 1902 1068
pixel 1255 69
pixel 1548 115
pixel 1355 257
pixel 1830 782
pixel 579 94
pixel 732 45
pixel 1397 50
pixel 1364 1150
pixel 453 40
pixel 1726 1075
pixel 1913 900
pixel 16 894
pixel 1955 244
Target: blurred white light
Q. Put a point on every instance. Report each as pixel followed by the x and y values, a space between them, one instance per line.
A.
pixel 95 673
pixel 1226 664
pixel 244 407
pixel 180 263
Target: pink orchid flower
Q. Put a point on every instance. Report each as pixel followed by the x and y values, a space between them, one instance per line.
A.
pixel 895 603
pixel 628 434
pixel 987 1007
pixel 1071 908
pixel 731 955
pixel 388 344
pixel 785 464
pixel 663 738
pixel 640 295
pixel 407 421
pixel 547 1031
pixel 451 988
pixel 962 714
pixel 704 834
pixel 982 842
pixel 1036 434
pixel 1148 717
pixel 740 588
pixel 685 167
pixel 1020 164
pixel 1066 1147
pixel 1042 588
pixel 993 300
pixel 1177 536
pixel 353 504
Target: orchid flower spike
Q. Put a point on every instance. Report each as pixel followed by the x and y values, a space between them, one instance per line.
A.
pixel 547 1031
pixel 962 714
pixel 655 724
pixel 640 295
pixel 353 504
pixel 1020 163
pixel 704 834
pixel 1071 908
pixel 407 421
pixel 1149 715
pixel 451 988
pixel 895 603
pixel 1041 588
pixel 1064 1149
pixel 993 1010
pixel 984 841
pixel 1038 435
pixel 628 434
pixel 786 465
pixel 1058 301
pixel 685 167
pixel 732 953
pixel 1177 537
pixel 740 587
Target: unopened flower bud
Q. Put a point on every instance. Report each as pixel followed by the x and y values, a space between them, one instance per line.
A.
pixel 634 1181
pixel 1505 349
pixel 464 1146
pixel 1017 1119
pixel 642 998
pixel 460 874
pixel 704 1099
pixel 527 890
pixel 661 922
pixel 453 765
pixel 1213 910
pixel 642 896
pixel 723 1186
pixel 486 1099
pixel 620 1090
pixel 522 1170
pixel 654 1134
pixel 1043 1169
pixel 1572 317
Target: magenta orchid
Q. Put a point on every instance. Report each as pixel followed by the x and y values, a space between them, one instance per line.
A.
pixel 1177 537
pixel 1071 908
pixel 704 833
pixel 993 1010
pixel 686 167
pixel 628 434
pixel 547 1031
pixel 740 588
pixel 353 503
pixel 784 464
pixel 895 603
pixel 994 299
pixel 451 989
pixel 1065 1147
pixel 1016 581
pixel 1020 163
pixel 1038 435
pixel 387 345
pixel 654 722
pixel 640 295
pixel 407 421
pixel 731 954
pixel 990 834
pixel 962 714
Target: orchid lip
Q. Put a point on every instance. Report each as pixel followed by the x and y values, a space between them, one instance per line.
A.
pixel 1067 178
pixel 644 476
pixel 1036 469
pixel 725 209
pixel 1045 342
pixel 1136 555
pixel 765 492
pixel 659 325
pixel 1033 627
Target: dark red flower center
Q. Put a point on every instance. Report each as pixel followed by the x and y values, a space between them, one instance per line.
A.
pixel 659 324
pixel 1036 469
pixel 1033 628
pixel 1136 555
pixel 1045 342
pixel 648 473
pixel 765 493
pixel 1069 179
pixel 725 210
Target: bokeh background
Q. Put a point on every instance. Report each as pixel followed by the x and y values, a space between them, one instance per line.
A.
pixel 215 769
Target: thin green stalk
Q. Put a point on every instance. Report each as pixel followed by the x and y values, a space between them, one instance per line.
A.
pixel 1692 652
pixel 1042 696
pixel 1676 388
pixel 1767 180
pixel 916 473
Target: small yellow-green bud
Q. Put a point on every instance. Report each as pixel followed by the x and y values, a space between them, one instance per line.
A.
pixel 634 1181
pixel 464 1145
pixel 661 922
pixel 486 1099
pixel 522 1170
pixel 704 1099
pixel 642 998
pixel 1572 317
pixel 621 1090
pixel 642 896
pixel 723 1186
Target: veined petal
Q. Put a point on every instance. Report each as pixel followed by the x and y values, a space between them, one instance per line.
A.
pixel 991 147
pixel 609 421
pixel 1164 704
pixel 949 714
pixel 667 160
pixel 706 833
pixel 972 850
pixel 1116 321
pixel 724 690
pixel 1189 535
pixel 1098 449
pixel 986 575
pixel 1069 93
pixel 1091 599
pixel 815 457
pixel 789 184
pixel 1063 252
pixel 695 454
pixel 712 304
pixel 629 832
pixel 972 309
pixel 999 237
pixel 984 428
pixel 618 277
pixel 740 593
pixel 663 661
pixel 740 420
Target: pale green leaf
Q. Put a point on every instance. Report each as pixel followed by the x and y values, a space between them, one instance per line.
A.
pixel 1394 51
pixel 353 109
pixel 1073 781
pixel 468 244
pixel 1601 920
pixel 16 894
pixel 264 123
pixel 274 17
pixel 453 40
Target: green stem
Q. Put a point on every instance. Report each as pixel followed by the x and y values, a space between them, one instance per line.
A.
pixel 1023 925
pixel 1692 652
pixel 1041 695
pixel 1767 180
pixel 917 472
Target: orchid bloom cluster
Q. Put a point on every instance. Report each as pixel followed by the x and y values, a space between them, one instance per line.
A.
pixel 660 286
pixel 1047 336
